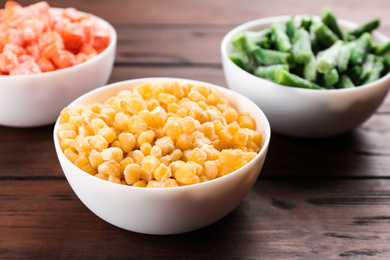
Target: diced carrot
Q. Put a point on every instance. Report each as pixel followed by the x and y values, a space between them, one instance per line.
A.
pixel 101 40
pixel 81 57
pixel 45 65
pixel 33 50
pixel 13 35
pixel 26 68
pixel 25 57
pixel 32 28
pixel 8 60
pixel 51 50
pixel 73 37
pixel 39 9
pixel 74 15
pixel 64 59
pixel 50 37
pixel 88 49
pixel 12 47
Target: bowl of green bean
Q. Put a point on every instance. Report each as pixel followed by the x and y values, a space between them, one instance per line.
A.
pixel 313 76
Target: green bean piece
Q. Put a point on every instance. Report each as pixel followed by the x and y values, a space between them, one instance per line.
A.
pixel 268 72
pixel 363 45
pixel 271 57
pixel 345 56
pixel 368 66
pixel 324 35
pixel 243 49
pixel 286 78
pixel 301 47
pixel 290 27
pixel 382 49
pixel 310 70
pixel 331 78
pixel 326 60
pixel 367 27
pixel 235 57
pixel 306 22
pixel 376 72
pixel 282 41
pixel 345 82
pixel 261 38
pixel 386 63
pixel 330 20
pixel 354 73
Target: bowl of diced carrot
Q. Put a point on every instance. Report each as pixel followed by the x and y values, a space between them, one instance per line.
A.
pixel 161 155
pixel 48 57
pixel 313 76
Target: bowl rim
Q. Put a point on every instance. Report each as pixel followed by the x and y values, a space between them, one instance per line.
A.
pixel 111 46
pixel 261 21
pixel 263 151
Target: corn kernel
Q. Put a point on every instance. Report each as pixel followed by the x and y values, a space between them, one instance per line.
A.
pixel 137 125
pixel 145 137
pixel 140 183
pixel 135 105
pixel 162 172
pixel 137 156
pixel 127 141
pixel 166 144
pixel 184 142
pixel 182 112
pixel 159 116
pixel 249 156
pixel 133 173
pixel 98 142
pixel 68 144
pixel 82 162
pixel 185 173
pixel 102 176
pixel 188 124
pixel 71 155
pixel 176 155
pixel 112 153
pixel 208 130
pixel 210 170
pixel 146 148
pixel 95 158
pixel 111 167
pixel 145 91
pixel 108 133
pixel 240 138
pixel 65 114
pixel 195 96
pixel 197 155
pixel 198 114
pixel 172 128
pixel 246 122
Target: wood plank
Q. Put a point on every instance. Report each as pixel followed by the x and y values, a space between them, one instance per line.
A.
pixel 320 219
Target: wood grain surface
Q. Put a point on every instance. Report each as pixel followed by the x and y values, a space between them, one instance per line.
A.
pixel 315 198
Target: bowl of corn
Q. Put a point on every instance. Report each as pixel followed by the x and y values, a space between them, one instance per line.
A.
pixel 161 155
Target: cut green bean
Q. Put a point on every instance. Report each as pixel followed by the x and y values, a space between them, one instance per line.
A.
pixel 382 49
pixel 376 72
pixel 345 82
pixel 324 35
pixel 281 39
pixel 286 78
pixel 272 57
pixel 301 48
pixel 326 60
pixel 310 70
pixel 363 45
pixel 345 56
pixel 235 57
pixel 354 73
pixel 268 72
pixel 331 78
pixel 367 27
pixel 330 20
pixel 260 38
pixel 367 66
pixel 386 62
pixel 290 27
pixel 243 49
pixel 306 22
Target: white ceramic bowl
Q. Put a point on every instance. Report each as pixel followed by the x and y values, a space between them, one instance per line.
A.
pixel 36 100
pixel 165 210
pixel 304 112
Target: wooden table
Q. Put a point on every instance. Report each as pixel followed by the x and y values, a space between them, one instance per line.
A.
pixel 315 198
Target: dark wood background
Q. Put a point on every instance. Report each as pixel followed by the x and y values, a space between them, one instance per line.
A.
pixel 315 198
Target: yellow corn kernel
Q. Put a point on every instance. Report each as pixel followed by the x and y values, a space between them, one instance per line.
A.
pixel 166 160
pixel 162 184
pixel 137 125
pixel 185 173
pixel 65 114
pixel 176 155
pixel 140 183
pixel 156 152
pixel 114 179
pixel 195 96
pixel 152 104
pixel 198 114
pixel 166 144
pixel 159 116
pixel 240 138
pixel 226 169
pixel 225 136
pixel 172 128
pixel 208 130
pixel 254 147
pixel 166 98
pixel 109 111
pixel 145 137
pixel 203 106
pixel 210 170
pixel 127 141
pixel 85 131
pixel 135 105
pixel 249 156
pixel 121 121
pixel 126 161
pixel 230 157
pixel 233 128
pixel 184 142
pixel 102 176
pixel 218 126
pixel 174 166
pixel 146 116
pixel 82 145
pixel 246 122
pixel 197 166
pixel 175 88
pixel 230 114
pixel 173 107
pixel 150 163
pixel 108 133
pixel 146 148
pixel 162 172
pixel 133 173
pixel 76 121
pixel 157 89
pixel 111 167
pixel 145 91
pixel 112 153
pixel 137 156
pixel 203 90
pixel 95 158
pixel 66 126
pixel 182 112
pixel 213 98
pixel 98 142
pixel 211 152
pixel 197 155
pixel 257 138
pixel 82 162
pixel 67 144
pixel 71 155
pixel 189 124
